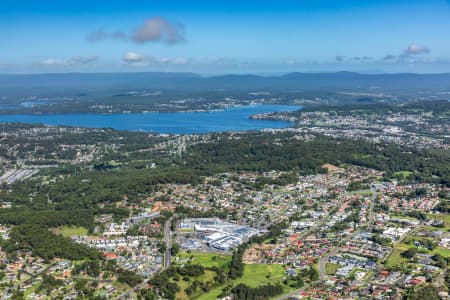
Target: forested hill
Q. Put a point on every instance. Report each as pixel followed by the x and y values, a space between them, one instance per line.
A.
pixel 265 152
pixel 190 81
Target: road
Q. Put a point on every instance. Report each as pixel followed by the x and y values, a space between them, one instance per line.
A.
pixel 127 295
pixel 323 261
pixel 319 224
pixel 370 220
pixel 14 175
pixel 293 293
pixel 168 241
pixel 372 205
pixel 167 258
pixel 32 276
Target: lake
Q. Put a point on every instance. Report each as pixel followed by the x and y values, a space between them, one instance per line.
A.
pixel 231 119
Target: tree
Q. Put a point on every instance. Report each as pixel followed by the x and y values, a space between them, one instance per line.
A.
pixel 427 292
pixel 162 247
pixel 410 253
pixel 175 249
pixel 128 277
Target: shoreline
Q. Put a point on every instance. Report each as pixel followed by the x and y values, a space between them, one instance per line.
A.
pixel 233 119
pixel 21 111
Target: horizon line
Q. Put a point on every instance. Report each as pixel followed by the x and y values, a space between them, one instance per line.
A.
pixel 212 74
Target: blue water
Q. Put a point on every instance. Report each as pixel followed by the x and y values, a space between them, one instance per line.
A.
pixel 232 119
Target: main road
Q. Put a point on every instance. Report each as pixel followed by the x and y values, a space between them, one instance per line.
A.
pixel 323 260
pixel 167 258
pixel 129 293
pixel 168 241
pixel 370 220
pixel 372 205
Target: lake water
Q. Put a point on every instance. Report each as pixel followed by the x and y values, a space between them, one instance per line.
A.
pixel 232 119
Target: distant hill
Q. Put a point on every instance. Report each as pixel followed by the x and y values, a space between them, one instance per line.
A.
pixel 190 81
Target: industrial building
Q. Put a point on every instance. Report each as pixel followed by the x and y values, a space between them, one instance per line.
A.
pixel 218 234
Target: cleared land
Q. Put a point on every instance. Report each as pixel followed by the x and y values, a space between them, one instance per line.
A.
pixel 395 259
pixel 208 260
pixel 69 231
pixel 208 276
pixel 331 268
pixel 403 174
pixel 254 275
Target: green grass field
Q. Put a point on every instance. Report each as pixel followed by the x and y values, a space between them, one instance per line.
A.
pixel 208 276
pixel 400 216
pixel 403 174
pixel 254 275
pixel 362 192
pixel 395 259
pixel 442 251
pixel 69 231
pixel 208 260
pixel 437 250
pixel 331 268
pixel 212 294
pixel 29 291
pixel 444 217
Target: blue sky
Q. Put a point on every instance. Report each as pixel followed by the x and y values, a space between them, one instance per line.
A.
pixel 224 37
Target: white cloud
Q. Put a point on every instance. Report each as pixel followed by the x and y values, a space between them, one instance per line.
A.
pixel 53 62
pixel 73 61
pixel 180 61
pixel 414 49
pixel 291 62
pixel 140 60
pixel 83 60
pixel 156 29
pixel 133 57
pixel 413 54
